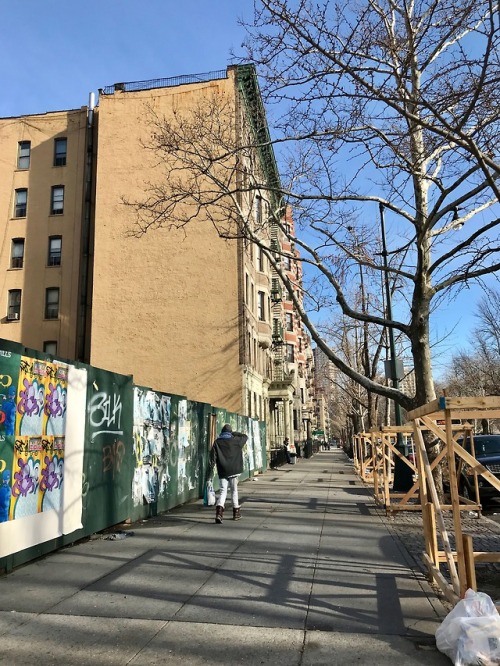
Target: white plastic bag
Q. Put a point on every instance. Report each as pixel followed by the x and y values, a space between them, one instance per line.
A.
pixel 209 496
pixel 470 633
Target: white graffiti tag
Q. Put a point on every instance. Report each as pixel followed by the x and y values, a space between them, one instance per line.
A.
pixel 105 414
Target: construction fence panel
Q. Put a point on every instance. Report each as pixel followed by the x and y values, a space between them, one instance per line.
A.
pixel 83 449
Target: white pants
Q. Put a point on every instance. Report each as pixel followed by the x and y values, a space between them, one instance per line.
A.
pixel 232 481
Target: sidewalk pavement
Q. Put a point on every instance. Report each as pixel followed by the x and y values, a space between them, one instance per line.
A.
pixel 311 575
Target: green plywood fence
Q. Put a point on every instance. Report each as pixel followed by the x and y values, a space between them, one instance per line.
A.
pixel 83 449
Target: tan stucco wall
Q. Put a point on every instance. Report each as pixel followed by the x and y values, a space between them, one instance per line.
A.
pixel 32 329
pixel 166 305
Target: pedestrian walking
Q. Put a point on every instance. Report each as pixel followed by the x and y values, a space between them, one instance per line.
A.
pixel 227 455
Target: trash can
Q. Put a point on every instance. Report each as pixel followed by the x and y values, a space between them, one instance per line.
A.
pixel 293 458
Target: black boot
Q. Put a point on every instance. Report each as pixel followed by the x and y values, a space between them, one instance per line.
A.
pixel 237 514
pixel 219 513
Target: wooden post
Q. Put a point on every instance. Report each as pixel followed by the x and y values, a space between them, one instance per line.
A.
pixel 430 533
pixel 455 503
pixel 470 564
pixel 455 580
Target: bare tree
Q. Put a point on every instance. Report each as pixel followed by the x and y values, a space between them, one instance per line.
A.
pixel 380 107
pixel 477 371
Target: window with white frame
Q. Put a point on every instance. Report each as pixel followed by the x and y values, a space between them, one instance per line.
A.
pixel 289 321
pixel 21 202
pixel 23 154
pixel 17 253
pixel 57 200
pixel 60 151
pixel 52 303
pixel 14 305
pixel 55 249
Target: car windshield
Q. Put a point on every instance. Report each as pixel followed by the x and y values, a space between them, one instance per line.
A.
pixel 486 446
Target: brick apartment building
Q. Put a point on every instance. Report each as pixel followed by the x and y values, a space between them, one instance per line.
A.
pixel 183 311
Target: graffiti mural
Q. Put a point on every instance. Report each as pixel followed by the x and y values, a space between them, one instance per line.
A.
pixel 37 472
pixel 9 363
pixel 151 433
pixel 83 449
pixel 33 450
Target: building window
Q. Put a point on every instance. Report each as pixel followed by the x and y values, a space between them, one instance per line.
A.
pixel 52 303
pixel 14 307
pixel 290 353
pixel 23 155
pixel 50 347
pixel 289 321
pixel 17 255
pixel 55 248
pixel 287 261
pixel 60 151
pixel 57 200
pixel 21 203
pixel 261 306
pixel 258 210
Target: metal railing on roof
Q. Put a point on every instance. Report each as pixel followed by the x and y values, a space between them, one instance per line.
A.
pixel 134 86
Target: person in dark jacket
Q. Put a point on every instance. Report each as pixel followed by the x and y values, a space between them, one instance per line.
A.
pixel 227 455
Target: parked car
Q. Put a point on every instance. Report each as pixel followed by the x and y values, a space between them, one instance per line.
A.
pixel 487 452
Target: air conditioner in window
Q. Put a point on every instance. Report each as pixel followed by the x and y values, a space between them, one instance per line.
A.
pixel 13 316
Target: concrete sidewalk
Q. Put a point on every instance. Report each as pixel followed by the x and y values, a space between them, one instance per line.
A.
pixel 311 575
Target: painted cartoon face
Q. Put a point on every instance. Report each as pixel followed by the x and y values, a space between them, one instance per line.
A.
pixel 56 399
pixel 31 399
pixel 51 474
pixel 25 480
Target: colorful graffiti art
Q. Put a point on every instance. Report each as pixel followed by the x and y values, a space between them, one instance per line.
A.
pixel 38 461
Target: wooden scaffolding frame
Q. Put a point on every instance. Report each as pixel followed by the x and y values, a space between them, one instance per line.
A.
pixel 385 442
pixel 440 417
pixel 364 455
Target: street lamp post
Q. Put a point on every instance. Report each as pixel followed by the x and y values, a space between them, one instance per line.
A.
pixel 402 473
pixel 392 343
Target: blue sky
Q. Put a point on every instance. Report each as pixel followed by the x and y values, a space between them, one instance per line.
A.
pixel 61 50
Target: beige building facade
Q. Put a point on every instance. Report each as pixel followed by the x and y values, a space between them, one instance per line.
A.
pixel 42 176
pixel 182 310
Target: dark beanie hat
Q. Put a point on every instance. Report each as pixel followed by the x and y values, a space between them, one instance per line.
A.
pixel 227 428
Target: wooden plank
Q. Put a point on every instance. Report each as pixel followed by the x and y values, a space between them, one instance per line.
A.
pixel 455 502
pixel 430 533
pixel 441 581
pixel 405 429
pixel 487 557
pixel 470 567
pixel 471 414
pixel 440 520
pixel 424 410
pixel 467 402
